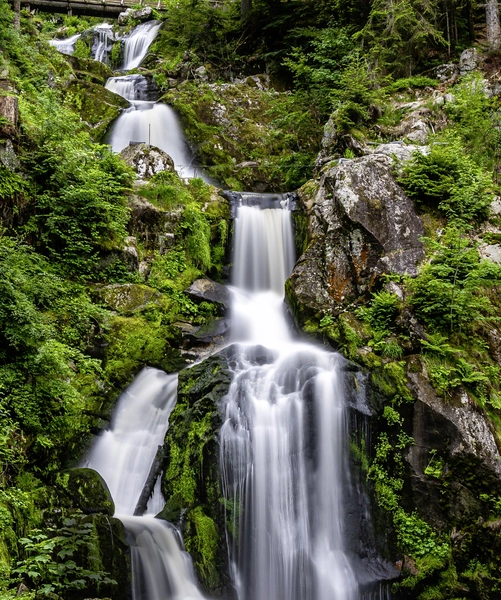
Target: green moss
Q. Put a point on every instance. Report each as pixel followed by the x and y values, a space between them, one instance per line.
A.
pixel 204 545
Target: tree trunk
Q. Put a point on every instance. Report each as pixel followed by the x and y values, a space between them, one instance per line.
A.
pixel 17 14
pixel 245 8
pixel 492 22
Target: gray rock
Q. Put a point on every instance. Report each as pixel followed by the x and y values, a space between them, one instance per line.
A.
pixel 468 61
pixel 147 160
pixel 491 252
pixel 447 73
pixel 8 156
pixel 205 289
pixel 201 74
pixel 361 224
pixel 459 432
pixel 495 207
pixel 141 14
pixel 402 152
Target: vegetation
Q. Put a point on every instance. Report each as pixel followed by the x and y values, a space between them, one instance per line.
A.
pixel 69 342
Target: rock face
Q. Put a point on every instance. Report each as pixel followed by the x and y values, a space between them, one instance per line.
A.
pixel 10 112
pixel 153 226
pixel 89 492
pixel 468 61
pixel 454 434
pixel 191 482
pixel 361 225
pixel 147 160
pixel 140 14
pixel 128 297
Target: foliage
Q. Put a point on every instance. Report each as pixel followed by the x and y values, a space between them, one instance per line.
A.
pixel 396 33
pixel 449 179
pixel 50 562
pixel 447 293
pixel 80 206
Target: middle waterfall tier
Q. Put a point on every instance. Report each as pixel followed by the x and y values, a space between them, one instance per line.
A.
pixel 284 440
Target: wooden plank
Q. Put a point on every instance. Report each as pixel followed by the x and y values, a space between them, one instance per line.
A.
pixel 104 8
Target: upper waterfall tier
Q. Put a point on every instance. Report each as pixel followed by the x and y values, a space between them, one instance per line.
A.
pixel 137 44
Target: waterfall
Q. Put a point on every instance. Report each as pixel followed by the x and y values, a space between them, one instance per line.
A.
pixel 155 124
pixel 66 46
pixel 137 43
pixel 283 452
pixel 123 456
pixel 103 42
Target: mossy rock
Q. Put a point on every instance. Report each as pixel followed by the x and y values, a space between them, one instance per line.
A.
pixel 191 481
pixel 128 297
pixel 97 105
pixel 90 70
pixel 87 491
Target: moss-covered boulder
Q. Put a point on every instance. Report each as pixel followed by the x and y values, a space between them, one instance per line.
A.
pixel 97 105
pixel 89 70
pixel 128 297
pixel 191 482
pixel 87 491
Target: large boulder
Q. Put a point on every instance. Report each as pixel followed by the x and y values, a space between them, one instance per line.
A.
pixel 140 14
pixel 128 297
pixel 456 439
pixel 361 225
pixel 147 160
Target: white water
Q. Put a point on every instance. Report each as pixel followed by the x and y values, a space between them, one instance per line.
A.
pixel 66 46
pixel 284 437
pixel 130 87
pixel 137 43
pixel 158 125
pixel 103 42
pixel 123 456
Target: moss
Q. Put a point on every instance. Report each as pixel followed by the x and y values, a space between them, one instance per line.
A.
pixel 133 343
pixel 204 545
pixel 191 481
pixel 97 106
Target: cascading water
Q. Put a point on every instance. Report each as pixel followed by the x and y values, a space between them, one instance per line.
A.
pixel 158 125
pixel 123 456
pixel 103 42
pixel 66 46
pixel 137 43
pixel 284 437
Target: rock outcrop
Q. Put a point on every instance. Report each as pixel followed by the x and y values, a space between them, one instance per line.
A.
pixel 361 224
pixel 147 160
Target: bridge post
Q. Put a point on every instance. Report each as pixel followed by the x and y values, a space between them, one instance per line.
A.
pixel 70 11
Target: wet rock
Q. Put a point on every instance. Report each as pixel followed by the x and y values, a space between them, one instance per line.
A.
pixel 140 14
pixel 447 73
pixel 361 224
pixel 205 289
pixel 9 110
pixel 127 297
pixel 459 434
pixel 191 483
pixel 147 160
pixel 468 61
pixel 87 491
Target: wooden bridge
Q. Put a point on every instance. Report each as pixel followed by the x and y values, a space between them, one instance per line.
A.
pixel 91 8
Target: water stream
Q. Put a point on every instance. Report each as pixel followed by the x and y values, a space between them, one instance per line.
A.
pixel 283 443
pixel 123 456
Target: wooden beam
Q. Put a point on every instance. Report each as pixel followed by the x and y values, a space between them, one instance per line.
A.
pixel 98 8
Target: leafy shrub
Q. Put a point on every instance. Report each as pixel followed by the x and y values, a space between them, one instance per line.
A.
pixel 449 179
pixel 50 564
pixel 447 294
pixel 416 82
